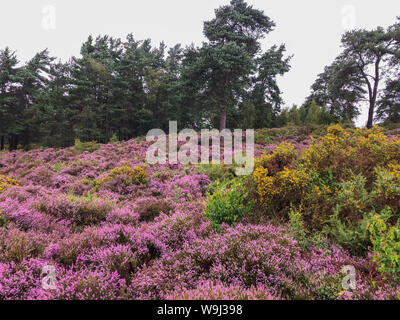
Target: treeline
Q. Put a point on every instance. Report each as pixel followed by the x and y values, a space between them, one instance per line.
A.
pixel 122 88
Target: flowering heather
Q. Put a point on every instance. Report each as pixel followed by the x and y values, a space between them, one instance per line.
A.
pixel 114 227
pixel 212 291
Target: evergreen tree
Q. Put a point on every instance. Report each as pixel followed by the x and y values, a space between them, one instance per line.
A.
pixel 11 117
pixel 226 63
pixel 356 74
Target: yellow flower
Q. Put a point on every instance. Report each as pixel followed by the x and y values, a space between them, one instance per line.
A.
pixel 6 182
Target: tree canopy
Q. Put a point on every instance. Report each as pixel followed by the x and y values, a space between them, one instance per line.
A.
pixel 123 88
pixel 369 58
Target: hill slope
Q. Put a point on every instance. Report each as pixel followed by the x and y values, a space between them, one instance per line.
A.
pixel 114 227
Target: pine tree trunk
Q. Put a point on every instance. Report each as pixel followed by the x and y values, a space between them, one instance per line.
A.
pixel 222 120
pixel 373 95
pixel 371 115
pixel 2 143
pixel 12 142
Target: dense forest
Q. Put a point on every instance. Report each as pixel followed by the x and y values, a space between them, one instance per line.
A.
pixel 118 89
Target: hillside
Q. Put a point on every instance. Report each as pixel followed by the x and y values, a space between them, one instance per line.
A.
pixel 114 227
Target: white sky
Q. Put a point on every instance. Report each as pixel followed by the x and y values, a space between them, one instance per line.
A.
pixel 311 29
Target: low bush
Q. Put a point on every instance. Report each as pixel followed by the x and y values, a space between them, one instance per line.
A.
pixel 336 185
pixel 385 238
pixel 3 220
pixel 82 211
pixel 262 137
pixel 228 204
pixel 126 175
pixel 387 186
pixel 149 208
pixel 90 146
pixel 6 182
pixel 209 290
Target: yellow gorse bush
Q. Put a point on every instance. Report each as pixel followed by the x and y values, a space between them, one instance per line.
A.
pixel 265 184
pixel 283 155
pixel 335 188
pixel 322 152
pixel 275 179
pixel 387 183
pixel 393 151
pixel 137 175
pixel 266 168
pixel 5 182
pixel 359 150
pixel 292 180
pixel 283 177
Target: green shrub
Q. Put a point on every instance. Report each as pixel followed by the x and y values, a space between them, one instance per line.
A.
pixel 114 138
pixel 353 236
pixel 90 146
pixel 296 226
pixel 298 231
pixel 3 220
pixel 347 224
pixel 218 174
pixel 58 167
pixel 352 199
pixel 228 204
pixel 385 239
pixel 387 186
pixel 128 176
pixel 262 137
pixel 89 210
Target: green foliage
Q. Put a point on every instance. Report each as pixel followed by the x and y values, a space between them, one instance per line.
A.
pixel 308 114
pixel 127 176
pixel 262 137
pixel 352 199
pixel 352 236
pixel 228 204
pixel 298 231
pixel 3 220
pixel 387 186
pixel 385 238
pixel 248 115
pixel 296 226
pixel 89 210
pixel 58 166
pixel 218 172
pixel 114 138
pixel 90 146
pixel 356 73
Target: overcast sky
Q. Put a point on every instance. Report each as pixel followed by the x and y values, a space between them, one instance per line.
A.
pixel 311 29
